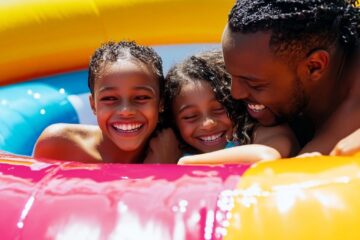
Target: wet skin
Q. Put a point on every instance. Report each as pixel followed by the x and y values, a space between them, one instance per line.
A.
pixel 126 104
pixel 202 121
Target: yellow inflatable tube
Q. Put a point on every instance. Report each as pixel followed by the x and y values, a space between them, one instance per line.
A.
pixel 310 198
pixel 39 37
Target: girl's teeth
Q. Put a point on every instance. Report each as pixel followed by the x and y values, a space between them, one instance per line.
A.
pixel 127 127
pixel 211 138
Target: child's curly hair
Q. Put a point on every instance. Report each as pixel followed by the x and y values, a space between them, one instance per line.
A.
pixel 111 52
pixel 208 66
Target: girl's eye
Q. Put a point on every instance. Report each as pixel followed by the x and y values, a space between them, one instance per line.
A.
pixel 189 117
pixel 108 99
pixel 219 110
pixel 142 98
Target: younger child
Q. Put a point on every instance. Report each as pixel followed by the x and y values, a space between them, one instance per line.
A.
pixel 206 118
pixel 126 85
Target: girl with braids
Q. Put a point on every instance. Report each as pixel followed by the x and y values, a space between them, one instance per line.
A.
pixel 200 109
pixel 292 59
pixel 126 84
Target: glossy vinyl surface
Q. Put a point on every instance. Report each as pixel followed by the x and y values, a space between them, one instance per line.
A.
pixel 41 200
pixel 310 198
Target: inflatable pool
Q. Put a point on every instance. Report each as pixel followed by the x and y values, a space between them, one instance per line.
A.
pixel 315 198
pixel 45 47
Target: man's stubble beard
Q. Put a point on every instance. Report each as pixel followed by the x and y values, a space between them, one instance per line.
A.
pixel 298 104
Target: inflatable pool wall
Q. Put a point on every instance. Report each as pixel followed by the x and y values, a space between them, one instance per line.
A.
pixel 41 200
pixel 314 198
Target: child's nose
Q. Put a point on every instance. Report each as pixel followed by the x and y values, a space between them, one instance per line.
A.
pixel 125 109
pixel 208 123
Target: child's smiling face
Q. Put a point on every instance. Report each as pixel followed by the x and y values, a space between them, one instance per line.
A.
pixel 202 121
pixel 126 102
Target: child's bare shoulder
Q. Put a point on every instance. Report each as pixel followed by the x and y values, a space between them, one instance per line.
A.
pixel 68 133
pixel 66 141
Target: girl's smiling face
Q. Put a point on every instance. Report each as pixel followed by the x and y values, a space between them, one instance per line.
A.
pixel 126 103
pixel 202 121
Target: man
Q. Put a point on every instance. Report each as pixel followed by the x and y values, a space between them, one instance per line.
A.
pixel 291 59
pixel 349 145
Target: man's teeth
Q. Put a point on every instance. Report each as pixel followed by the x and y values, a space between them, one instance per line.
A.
pixel 127 127
pixel 256 107
pixel 211 138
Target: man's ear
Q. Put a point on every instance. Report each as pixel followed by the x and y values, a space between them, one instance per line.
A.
pixel 317 62
pixel 92 103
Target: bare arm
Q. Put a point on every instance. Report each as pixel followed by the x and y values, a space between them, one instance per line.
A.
pixel 342 123
pixel 269 143
pixel 278 137
pixel 241 154
pixel 348 146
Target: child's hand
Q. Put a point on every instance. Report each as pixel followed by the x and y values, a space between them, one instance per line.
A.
pixel 348 146
pixel 163 148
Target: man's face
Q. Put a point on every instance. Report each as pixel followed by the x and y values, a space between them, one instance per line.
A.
pixel 270 86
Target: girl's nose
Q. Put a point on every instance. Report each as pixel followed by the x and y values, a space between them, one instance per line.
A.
pixel 208 123
pixel 125 109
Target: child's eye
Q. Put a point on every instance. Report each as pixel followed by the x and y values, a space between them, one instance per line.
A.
pixel 190 117
pixel 220 110
pixel 142 98
pixel 108 99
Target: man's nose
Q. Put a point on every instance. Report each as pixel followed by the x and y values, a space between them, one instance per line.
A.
pixel 239 90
